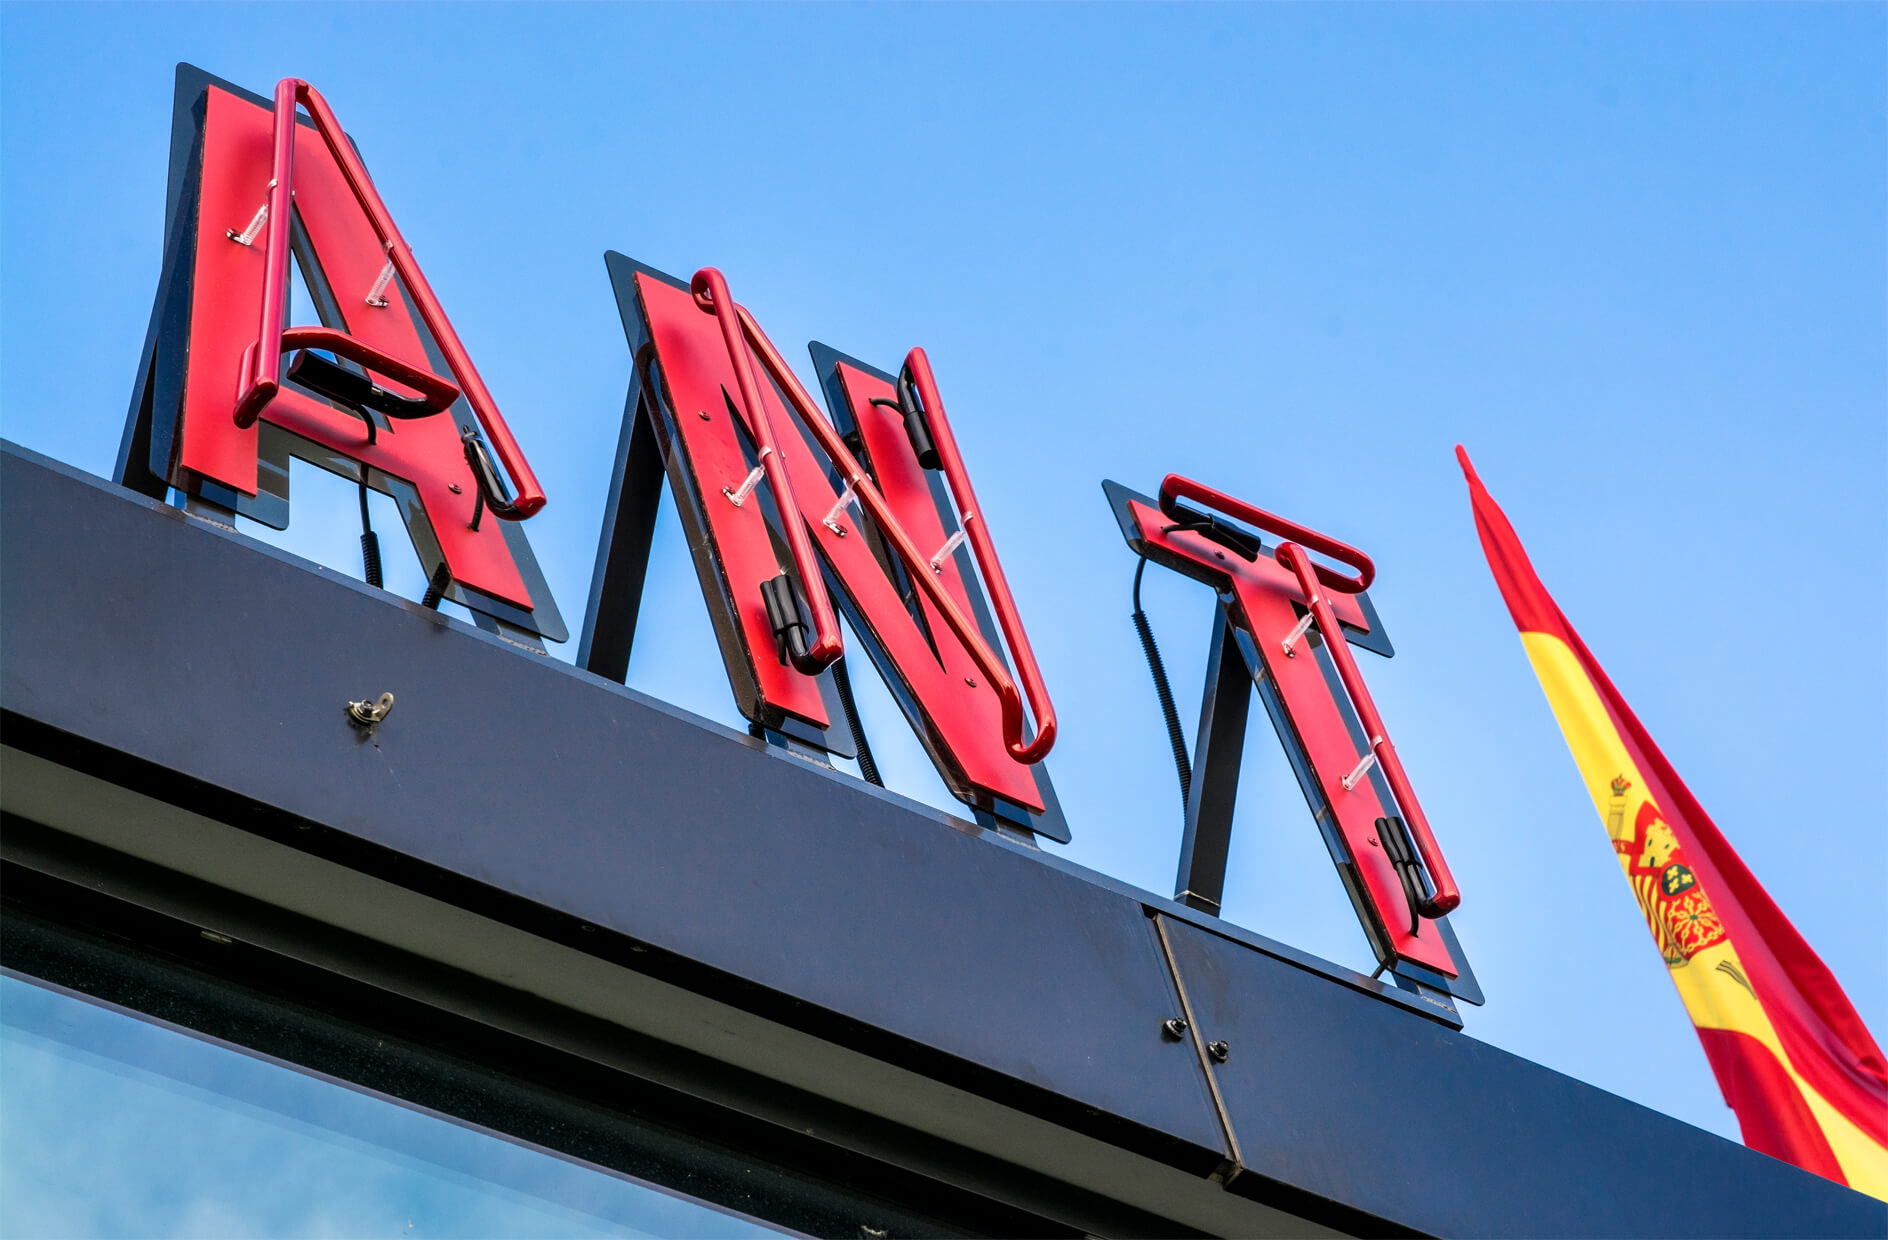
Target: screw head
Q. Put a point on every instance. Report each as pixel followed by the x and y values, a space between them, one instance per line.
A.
pixel 971 681
pixel 1219 1051
pixel 1173 1028
pixel 703 413
pixel 454 488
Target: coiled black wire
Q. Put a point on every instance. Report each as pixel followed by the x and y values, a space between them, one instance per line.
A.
pixel 1175 736
pixel 437 587
pixel 843 682
pixel 370 541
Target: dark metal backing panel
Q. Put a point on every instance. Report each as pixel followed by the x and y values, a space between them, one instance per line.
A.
pixel 1354 1101
pixel 202 654
pixel 203 668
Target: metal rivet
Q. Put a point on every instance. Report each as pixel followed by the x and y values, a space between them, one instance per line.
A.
pixel 703 413
pixel 1219 1051
pixel 1173 1028
pixel 971 681
pixel 454 488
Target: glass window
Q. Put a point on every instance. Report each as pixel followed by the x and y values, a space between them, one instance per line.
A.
pixel 113 1125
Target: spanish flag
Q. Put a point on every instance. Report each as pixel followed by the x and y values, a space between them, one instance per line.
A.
pixel 1791 1055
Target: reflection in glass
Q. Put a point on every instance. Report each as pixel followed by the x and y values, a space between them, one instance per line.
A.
pixel 111 1125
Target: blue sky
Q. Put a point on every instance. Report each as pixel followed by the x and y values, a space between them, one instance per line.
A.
pixel 1632 257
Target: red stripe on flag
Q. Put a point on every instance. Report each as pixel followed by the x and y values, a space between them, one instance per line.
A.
pixel 1821 1032
pixel 1827 1043
pixel 1533 609
pixel 1770 1109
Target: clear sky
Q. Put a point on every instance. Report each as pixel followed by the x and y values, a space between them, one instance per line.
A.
pixel 1632 256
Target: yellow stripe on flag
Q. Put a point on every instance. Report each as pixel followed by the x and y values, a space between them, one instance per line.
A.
pixel 1703 965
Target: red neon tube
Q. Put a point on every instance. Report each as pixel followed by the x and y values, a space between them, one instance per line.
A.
pixel 1174 487
pixel 977 533
pixel 1292 555
pixel 1447 896
pixel 263 377
pixel 710 292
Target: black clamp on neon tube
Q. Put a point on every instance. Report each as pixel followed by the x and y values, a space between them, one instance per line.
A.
pixel 1409 870
pixel 354 389
pixel 1241 542
pixel 786 616
pixel 917 428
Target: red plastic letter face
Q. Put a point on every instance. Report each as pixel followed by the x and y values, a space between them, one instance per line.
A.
pixel 1320 717
pixel 873 521
pixel 380 391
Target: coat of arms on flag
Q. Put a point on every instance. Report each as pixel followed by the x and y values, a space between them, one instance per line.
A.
pixel 1791 1055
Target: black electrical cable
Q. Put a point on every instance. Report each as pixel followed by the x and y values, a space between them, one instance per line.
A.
pixel 370 541
pixel 437 587
pixel 843 682
pixel 1175 736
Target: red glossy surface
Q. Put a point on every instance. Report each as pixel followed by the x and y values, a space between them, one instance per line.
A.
pixel 977 531
pixel 1447 897
pixel 1268 595
pixel 1174 487
pixel 228 290
pixel 711 293
pixel 971 727
pixel 965 693
pixel 826 440
pixel 700 381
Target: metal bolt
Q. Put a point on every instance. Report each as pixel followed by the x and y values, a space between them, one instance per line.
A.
pixel 703 413
pixel 1173 1028
pixel 1219 1051
pixel 454 488
pixel 365 714
pixel 971 681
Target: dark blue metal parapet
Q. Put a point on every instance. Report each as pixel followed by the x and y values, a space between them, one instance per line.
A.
pixel 158 654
